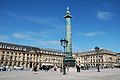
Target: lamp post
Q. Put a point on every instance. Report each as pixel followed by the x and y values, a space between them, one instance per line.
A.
pixel 64 43
pixel 98 65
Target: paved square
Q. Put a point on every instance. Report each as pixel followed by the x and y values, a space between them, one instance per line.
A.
pixel 105 74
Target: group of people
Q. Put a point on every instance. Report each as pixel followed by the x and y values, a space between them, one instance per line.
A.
pixel 45 67
pixel 66 68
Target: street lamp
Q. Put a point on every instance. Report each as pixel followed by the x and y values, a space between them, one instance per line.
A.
pixel 97 50
pixel 64 43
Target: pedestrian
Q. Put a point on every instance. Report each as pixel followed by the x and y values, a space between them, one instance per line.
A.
pixel 67 68
pixel 41 68
pixel 55 68
pixel 61 68
pixel 78 68
pixel 45 68
pixel 35 69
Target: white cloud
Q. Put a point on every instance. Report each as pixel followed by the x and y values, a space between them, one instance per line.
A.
pixel 48 42
pixel 43 34
pixel 35 40
pixel 20 35
pixel 10 13
pixel 2 27
pixel 50 21
pixel 104 15
pixel 43 20
pixel 34 37
pixel 92 34
pixel 3 36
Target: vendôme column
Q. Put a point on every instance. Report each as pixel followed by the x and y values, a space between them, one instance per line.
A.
pixel 68 32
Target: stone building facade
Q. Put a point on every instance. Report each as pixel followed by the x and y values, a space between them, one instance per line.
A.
pixel 28 56
pixel 104 58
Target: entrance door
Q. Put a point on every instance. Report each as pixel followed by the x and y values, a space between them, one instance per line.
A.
pixel 30 64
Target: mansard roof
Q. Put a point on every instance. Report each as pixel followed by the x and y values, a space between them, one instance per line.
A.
pixel 102 51
pixel 13 46
pixel 17 47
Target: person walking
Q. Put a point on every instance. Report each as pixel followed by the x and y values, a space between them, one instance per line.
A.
pixel 35 69
pixel 67 68
pixel 78 68
pixel 55 68
pixel 61 68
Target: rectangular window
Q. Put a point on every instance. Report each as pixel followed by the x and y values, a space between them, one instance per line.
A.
pixel 2 57
pixel 15 58
pixel 10 58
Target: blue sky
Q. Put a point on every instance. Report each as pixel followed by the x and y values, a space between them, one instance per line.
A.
pixel 41 23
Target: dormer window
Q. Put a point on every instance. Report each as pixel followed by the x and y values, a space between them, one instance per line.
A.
pixel 7 52
pixel 24 49
pixel 3 52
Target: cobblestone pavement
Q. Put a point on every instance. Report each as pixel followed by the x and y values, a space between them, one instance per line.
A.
pixel 105 74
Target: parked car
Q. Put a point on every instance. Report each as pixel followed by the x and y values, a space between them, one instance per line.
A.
pixel 2 68
pixel 18 68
